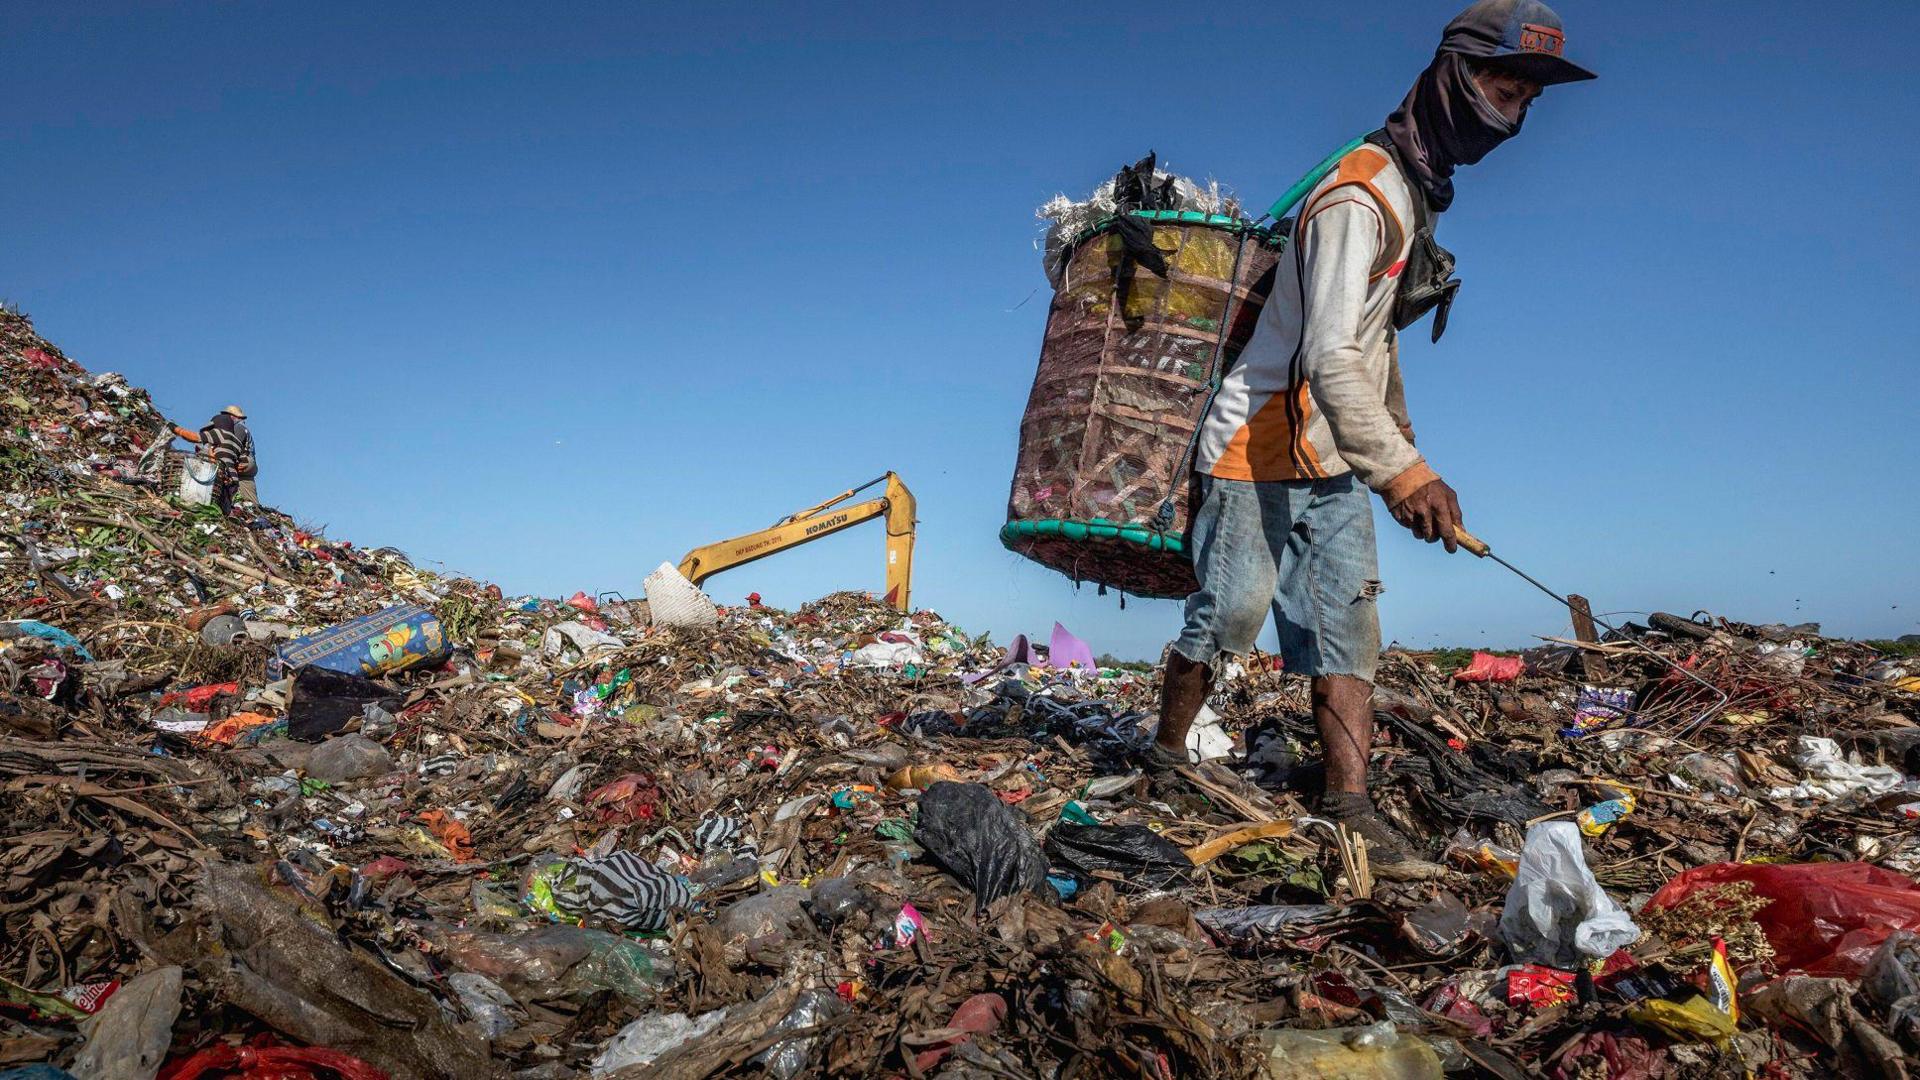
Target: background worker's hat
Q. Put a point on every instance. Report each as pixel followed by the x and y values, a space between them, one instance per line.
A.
pixel 235 411
pixel 1521 36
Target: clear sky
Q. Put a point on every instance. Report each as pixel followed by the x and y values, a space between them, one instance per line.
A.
pixel 552 293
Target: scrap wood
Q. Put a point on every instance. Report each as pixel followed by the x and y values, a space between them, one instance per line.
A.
pixel 1202 854
pixel 105 796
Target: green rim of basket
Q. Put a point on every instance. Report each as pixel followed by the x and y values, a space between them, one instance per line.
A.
pixel 1228 222
pixel 1094 529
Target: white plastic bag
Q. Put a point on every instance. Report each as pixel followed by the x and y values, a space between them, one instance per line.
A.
pixel 674 601
pixel 1830 775
pixel 1556 912
pixel 196 481
pixel 652 1035
pixel 577 637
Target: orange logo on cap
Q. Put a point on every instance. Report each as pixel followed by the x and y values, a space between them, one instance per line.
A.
pixel 1541 39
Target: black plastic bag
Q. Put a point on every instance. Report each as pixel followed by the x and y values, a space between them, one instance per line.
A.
pixel 325 701
pixel 979 840
pixel 1146 858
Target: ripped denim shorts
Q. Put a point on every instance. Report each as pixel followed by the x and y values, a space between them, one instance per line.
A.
pixel 1305 549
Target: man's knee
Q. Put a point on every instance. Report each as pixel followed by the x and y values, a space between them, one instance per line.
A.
pixel 1341 691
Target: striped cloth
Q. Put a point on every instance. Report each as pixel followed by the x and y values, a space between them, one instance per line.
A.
pixel 624 889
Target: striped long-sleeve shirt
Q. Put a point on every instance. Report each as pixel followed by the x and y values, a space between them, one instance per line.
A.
pixel 227 440
pixel 1317 390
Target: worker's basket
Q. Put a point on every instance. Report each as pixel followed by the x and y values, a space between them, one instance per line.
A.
pixel 1127 368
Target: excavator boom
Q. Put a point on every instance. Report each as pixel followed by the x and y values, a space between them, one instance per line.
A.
pixel 895 506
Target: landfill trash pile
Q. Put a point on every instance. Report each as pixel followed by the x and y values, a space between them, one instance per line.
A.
pixel 278 805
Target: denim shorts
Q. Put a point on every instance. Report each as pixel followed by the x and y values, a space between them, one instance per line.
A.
pixel 1303 548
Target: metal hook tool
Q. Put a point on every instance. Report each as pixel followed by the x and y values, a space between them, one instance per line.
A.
pixel 1481 549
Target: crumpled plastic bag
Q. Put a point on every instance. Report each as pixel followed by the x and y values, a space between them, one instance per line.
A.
pixel 788 1058
pixel 1556 913
pixel 1829 775
pixel 651 1036
pixel 578 639
pixel 979 840
pixel 1145 857
pixel 1826 919
pixel 1486 667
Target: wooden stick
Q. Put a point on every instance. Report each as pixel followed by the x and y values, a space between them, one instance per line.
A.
pixel 1202 854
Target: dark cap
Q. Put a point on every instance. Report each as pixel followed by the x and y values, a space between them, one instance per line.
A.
pixel 1521 36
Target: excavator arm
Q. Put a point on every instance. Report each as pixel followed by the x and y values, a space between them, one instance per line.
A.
pixel 895 505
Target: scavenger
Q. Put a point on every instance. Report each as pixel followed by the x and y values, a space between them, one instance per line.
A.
pixel 226 440
pixel 1313 417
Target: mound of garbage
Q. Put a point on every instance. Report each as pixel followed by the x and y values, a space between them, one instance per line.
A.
pixel 280 805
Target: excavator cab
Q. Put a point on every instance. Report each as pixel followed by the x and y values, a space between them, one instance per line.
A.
pixel 895 506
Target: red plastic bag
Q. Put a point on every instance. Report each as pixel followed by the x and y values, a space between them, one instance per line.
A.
pixel 1826 919
pixel 1486 667
pixel 200 698
pixel 266 1062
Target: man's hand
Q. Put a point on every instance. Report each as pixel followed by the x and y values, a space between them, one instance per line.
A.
pixel 1431 513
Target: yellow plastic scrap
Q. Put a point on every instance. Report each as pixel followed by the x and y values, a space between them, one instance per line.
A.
pixel 1600 817
pixel 1696 1020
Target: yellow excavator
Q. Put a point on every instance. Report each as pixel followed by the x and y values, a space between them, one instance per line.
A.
pixel 895 504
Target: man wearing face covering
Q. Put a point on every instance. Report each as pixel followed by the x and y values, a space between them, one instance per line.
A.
pixel 1313 416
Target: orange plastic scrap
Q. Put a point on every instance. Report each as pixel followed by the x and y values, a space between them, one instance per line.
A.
pixel 451 833
pixel 228 731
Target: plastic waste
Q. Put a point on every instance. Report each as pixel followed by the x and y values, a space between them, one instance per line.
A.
pixel 1712 773
pixel 1693 1020
pixel 835 900
pixel 1258 919
pixel 1598 818
pixel 348 757
pixel 1830 775
pixel 764 918
pixel 651 1036
pixel 921 776
pixel 197 475
pixel 1825 919
pixel 128 1038
pixel 271 1062
pixel 619 888
pixel 1486 667
pixel 1145 858
pixel 1352 1053
pixel 322 701
pixel 1598 708
pixel 1556 913
pixel 1892 982
pixel 1066 651
pixel 978 1015
pixel 392 639
pixel 980 841
pixel 788 1058
pixel 577 641
pixel 556 962
pixel 1207 739
pixel 485 1001
pixel 1440 926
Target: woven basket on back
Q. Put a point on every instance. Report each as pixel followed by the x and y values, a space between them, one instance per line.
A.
pixel 1100 484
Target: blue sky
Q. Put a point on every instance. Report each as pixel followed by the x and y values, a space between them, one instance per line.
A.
pixel 552 296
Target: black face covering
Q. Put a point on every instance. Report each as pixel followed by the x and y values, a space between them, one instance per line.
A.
pixel 1445 121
